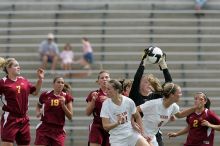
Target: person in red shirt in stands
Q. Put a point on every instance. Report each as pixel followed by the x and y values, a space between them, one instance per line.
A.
pixel 14 91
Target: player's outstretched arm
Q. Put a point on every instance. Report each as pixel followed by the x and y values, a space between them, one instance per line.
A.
pixel 181 132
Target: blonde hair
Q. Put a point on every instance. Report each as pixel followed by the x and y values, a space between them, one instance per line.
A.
pixel 6 63
pixel 155 83
pixel 2 62
pixel 169 88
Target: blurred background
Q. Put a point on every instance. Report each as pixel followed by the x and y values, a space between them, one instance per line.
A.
pixel 119 31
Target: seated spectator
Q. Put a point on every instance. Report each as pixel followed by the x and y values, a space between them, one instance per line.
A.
pixel 67 57
pixel 49 52
pixel 87 58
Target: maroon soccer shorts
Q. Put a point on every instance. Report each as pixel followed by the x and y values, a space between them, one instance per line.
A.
pixel 15 129
pixel 46 135
pixel 98 135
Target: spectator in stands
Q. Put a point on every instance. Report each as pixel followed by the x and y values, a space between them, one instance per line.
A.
pixel 87 58
pixel 199 5
pixel 49 52
pixel 148 87
pixel 200 131
pixel 117 112
pixel 67 58
pixel 97 135
pixel 56 105
pixel 14 92
pixel 157 112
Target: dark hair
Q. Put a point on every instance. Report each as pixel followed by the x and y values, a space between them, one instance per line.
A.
pixel 208 102
pixel 67 88
pixel 116 85
pixel 125 83
pixel 85 39
pixel 55 79
pixel 169 88
pixel 103 71
pixel 67 45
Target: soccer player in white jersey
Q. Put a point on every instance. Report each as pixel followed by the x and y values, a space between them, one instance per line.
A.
pixel 116 114
pixel 158 112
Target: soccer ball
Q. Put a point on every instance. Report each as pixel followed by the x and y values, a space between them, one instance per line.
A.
pixel 154 55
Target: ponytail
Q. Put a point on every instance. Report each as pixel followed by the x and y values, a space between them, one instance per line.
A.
pixel 67 88
pixel 208 103
pixel 125 83
pixel 2 62
pixel 6 63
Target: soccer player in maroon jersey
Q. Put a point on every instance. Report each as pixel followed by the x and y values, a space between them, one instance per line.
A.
pixel 126 86
pixel 14 91
pixel 97 135
pixel 56 105
pixel 198 133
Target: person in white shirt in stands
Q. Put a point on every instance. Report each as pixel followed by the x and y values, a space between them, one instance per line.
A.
pixel 116 115
pixel 67 57
pixel 157 112
pixel 49 52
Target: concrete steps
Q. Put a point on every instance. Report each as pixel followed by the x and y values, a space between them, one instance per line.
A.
pixel 119 33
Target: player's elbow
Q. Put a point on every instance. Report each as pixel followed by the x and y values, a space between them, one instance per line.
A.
pixel 70 116
pixel 106 128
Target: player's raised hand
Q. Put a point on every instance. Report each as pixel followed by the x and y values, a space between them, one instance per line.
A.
pixel 40 73
pixel 62 100
pixel 162 62
pixel 94 96
pixel 146 51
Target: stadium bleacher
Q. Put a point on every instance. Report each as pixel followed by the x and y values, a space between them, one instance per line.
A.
pixel 119 31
